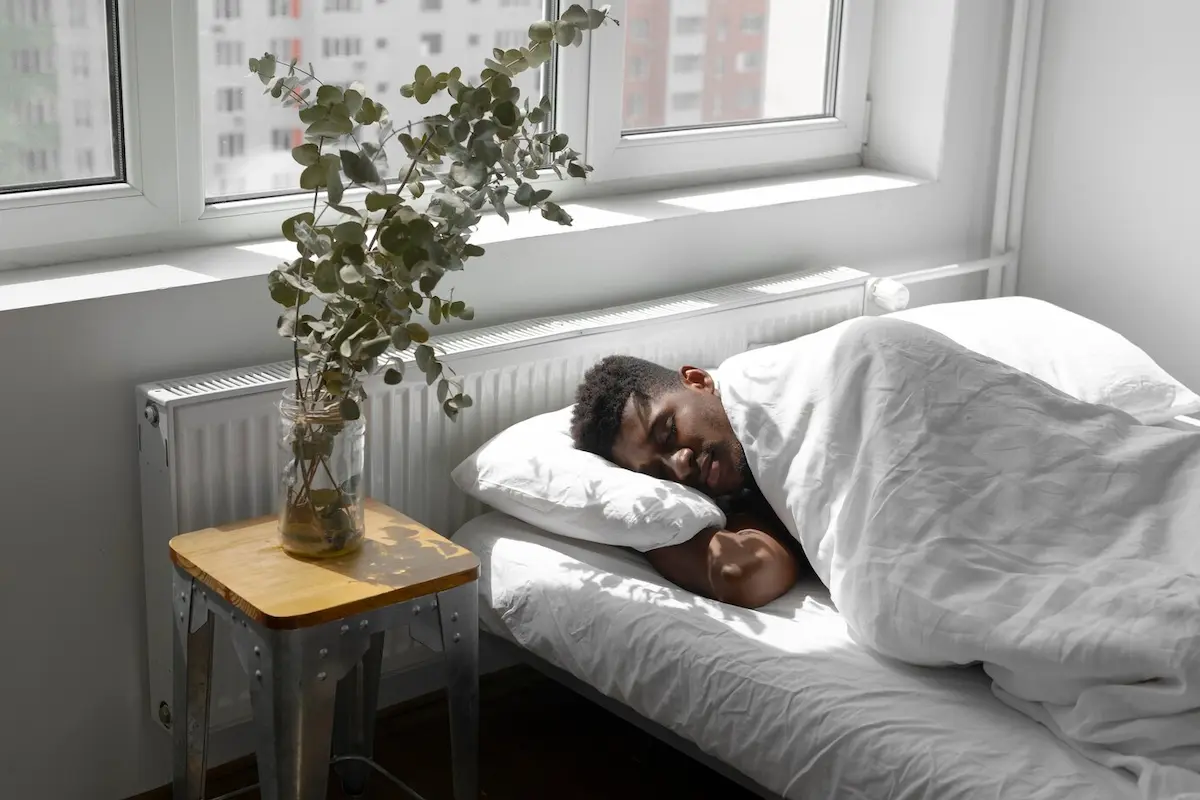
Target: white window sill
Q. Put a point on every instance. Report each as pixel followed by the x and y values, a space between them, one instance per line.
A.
pixel 42 286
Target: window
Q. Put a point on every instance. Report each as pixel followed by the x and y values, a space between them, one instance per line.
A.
pixel 678 87
pixel 83 114
pixel 635 105
pixel 431 44
pixel 509 39
pixel 753 23
pixel 50 111
pixel 341 46
pixel 35 111
pixel 231 145
pixel 685 101
pixel 33 61
pixel 750 61
pixel 228 9
pixel 288 49
pixel 77 14
pixel 782 88
pixel 798 92
pixel 80 64
pixel 231 54
pixel 25 12
pixel 230 99
pixel 284 139
pixel 40 162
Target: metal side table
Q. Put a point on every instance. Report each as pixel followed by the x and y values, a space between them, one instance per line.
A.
pixel 310 636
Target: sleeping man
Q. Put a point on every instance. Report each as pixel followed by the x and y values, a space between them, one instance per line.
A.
pixel 670 424
pixel 959 512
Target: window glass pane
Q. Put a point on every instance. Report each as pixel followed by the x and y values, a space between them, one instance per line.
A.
pixel 695 63
pixel 248 137
pixel 58 95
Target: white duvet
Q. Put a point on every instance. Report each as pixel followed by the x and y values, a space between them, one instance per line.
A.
pixel 961 511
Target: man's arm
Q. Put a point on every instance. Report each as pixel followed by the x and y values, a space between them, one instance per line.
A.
pixel 744 566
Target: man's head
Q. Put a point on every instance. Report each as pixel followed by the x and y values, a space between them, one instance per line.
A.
pixel 661 422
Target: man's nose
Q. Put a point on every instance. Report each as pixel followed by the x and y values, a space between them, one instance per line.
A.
pixel 680 465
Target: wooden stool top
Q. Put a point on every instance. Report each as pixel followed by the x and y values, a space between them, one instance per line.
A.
pixel 400 559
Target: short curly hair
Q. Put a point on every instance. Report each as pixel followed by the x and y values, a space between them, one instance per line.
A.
pixel 602 395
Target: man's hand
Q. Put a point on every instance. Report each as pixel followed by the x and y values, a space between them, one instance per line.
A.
pixel 744 566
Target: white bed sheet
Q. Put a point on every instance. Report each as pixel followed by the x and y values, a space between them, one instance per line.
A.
pixel 781 694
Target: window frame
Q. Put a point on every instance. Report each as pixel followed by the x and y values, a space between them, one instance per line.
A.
pixel 163 114
pixel 834 140
pixel 146 201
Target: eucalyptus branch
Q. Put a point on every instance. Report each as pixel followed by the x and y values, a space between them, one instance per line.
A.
pixel 364 292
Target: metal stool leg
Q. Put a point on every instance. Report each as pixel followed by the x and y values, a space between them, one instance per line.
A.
pixel 458 612
pixel 192 690
pixel 293 694
pixel 354 726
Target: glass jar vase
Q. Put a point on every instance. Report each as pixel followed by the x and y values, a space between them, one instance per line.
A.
pixel 321 499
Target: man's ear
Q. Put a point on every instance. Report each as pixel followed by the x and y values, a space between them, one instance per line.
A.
pixel 696 378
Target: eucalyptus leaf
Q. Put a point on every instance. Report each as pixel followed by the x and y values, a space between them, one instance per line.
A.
pixel 313 177
pixel 524 195
pixel 401 338
pixel 575 15
pixel 349 409
pixel 394 375
pixel 289 225
pixel 417 332
pixel 541 31
pixel 424 355
pixel 333 183
pixel 433 373
pixel 564 32
pixel 351 232
pixel 378 201
pixel 359 168
pixel 306 154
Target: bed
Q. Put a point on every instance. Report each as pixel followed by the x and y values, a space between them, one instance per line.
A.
pixel 780 698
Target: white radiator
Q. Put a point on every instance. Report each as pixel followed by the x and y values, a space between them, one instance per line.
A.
pixel 209 452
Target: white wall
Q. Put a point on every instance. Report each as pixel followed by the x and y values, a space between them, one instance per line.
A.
pixel 72 676
pixel 1112 200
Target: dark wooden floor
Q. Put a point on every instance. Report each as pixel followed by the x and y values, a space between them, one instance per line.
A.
pixel 538 740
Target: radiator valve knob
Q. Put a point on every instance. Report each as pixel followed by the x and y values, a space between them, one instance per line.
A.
pixel 151 414
pixel 888 294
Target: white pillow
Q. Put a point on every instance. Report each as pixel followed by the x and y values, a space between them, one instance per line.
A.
pixel 1074 354
pixel 533 472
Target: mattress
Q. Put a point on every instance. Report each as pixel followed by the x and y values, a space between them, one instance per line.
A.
pixel 781 694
